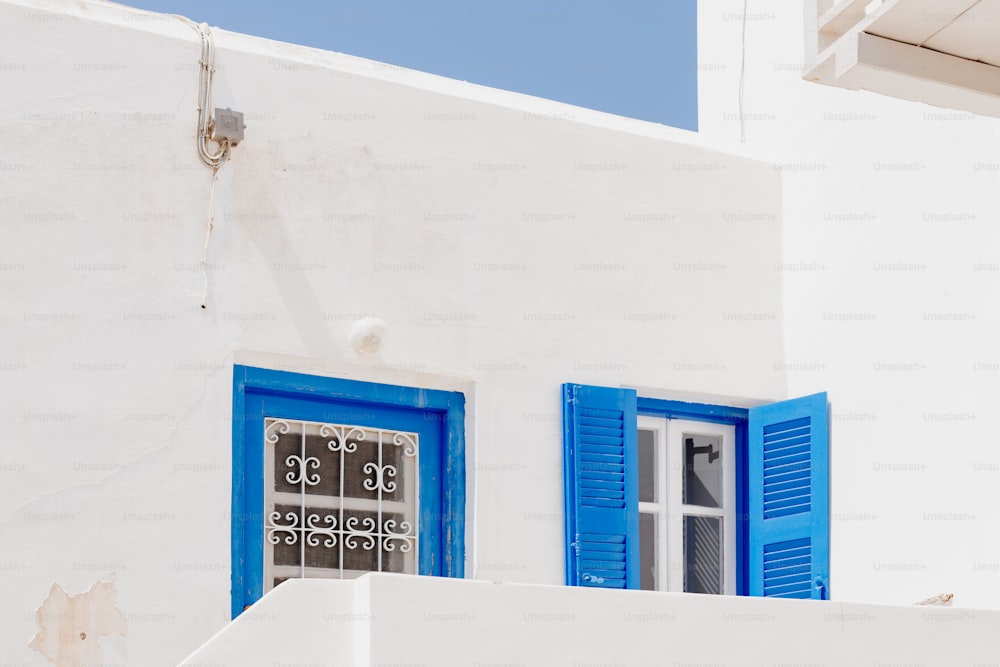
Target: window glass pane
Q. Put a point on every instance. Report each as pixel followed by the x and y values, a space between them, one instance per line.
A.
pixel 287 447
pixel 320 538
pixel 647 466
pixel 393 462
pixel 314 471
pixel 361 541
pixel 359 467
pixel 324 465
pixel 703 554
pixel 283 529
pixel 703 470
pixel 647 551
pixel 398 541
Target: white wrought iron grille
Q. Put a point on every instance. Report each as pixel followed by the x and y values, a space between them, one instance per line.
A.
pixel 339 501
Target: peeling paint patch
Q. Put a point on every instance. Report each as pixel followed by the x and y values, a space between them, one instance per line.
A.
pixel 70 627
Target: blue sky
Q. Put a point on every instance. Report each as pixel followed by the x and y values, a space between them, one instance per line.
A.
pixel 632 57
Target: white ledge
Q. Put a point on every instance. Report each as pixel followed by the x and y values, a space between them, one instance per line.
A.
pixel 384 619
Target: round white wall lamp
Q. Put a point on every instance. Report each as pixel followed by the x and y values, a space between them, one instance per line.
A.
pixel 367 335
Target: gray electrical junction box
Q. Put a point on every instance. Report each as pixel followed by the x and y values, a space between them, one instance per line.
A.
pixel 228 125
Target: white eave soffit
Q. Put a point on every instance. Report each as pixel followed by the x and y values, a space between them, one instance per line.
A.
pixel 941 52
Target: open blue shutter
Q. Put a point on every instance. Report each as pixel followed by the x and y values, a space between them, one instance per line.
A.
pixel 789 521
pixel 601 479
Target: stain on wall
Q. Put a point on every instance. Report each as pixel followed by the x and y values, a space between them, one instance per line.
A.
pixel 70 626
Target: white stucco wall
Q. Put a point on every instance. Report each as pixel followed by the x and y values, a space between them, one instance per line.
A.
pixel 384 619
pixel 511 244
pixel 892 269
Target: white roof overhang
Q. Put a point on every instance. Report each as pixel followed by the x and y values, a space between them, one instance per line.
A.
pixel 941 52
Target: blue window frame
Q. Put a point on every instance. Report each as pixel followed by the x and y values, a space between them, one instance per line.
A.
pixel 782 489
pixel 437 416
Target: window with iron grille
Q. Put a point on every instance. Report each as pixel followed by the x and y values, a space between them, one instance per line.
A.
pixel 333 478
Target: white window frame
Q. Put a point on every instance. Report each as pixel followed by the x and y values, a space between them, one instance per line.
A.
pixel 669 509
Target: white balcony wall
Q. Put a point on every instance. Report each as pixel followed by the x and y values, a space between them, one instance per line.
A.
pixel 421 621
pixel 891 275
pixel 510 244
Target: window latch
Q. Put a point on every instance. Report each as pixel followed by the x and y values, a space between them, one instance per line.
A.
pixel 821 585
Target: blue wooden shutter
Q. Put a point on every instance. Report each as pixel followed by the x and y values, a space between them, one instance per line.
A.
pixel 789 521
pixel 601 479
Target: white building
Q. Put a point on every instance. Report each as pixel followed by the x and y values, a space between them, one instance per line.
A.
pixel 434 261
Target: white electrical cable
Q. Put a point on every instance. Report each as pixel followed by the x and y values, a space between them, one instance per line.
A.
pixel 206 71
pixel 743 59
pixel 208 238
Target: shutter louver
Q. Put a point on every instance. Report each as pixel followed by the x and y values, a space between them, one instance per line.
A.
pixel 601 495
pixel 601 451
pixel 787 455
pixel 789 499
pixel 788 569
